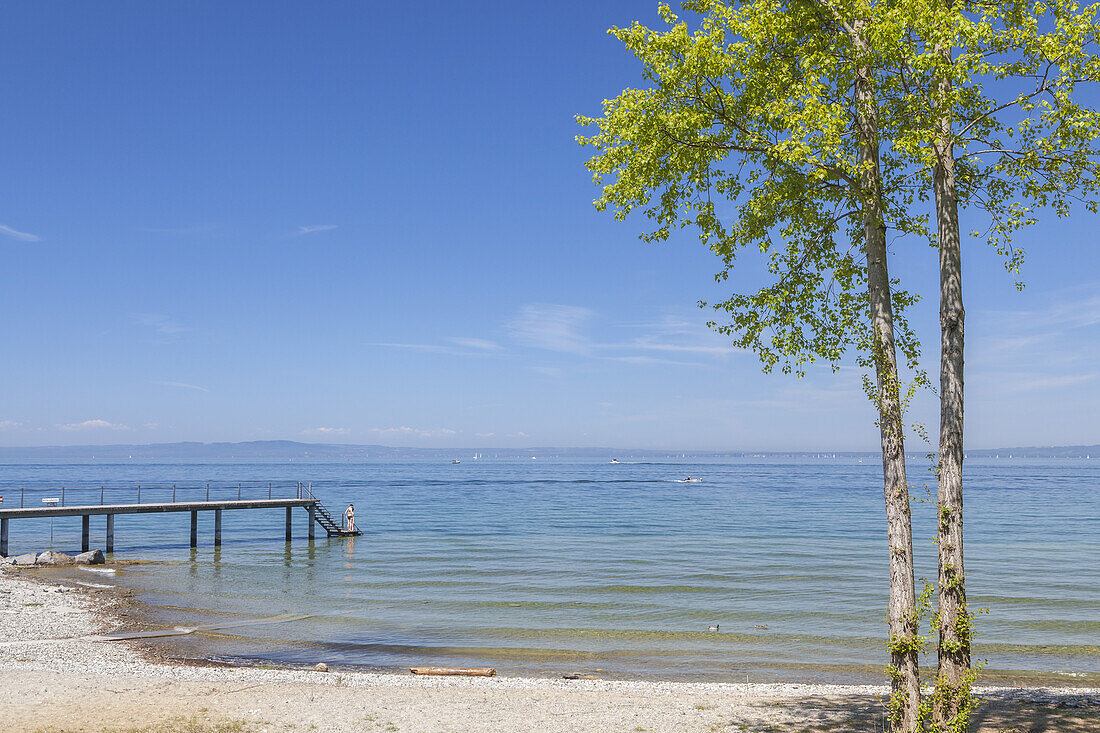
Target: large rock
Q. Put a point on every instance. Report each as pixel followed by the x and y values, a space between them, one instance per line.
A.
pixel 92 557
pixel 27 559
pixel 50 557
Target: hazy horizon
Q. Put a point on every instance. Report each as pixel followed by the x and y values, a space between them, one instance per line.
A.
pixel 280 447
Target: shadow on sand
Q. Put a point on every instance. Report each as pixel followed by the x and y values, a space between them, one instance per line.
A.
pixel 1015 712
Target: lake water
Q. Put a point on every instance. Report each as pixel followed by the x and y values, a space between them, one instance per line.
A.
pixel 544 566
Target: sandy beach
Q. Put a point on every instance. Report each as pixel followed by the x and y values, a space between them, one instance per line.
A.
pixel 56 676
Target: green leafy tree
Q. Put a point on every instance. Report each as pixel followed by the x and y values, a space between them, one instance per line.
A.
pixel 993 120
pixel 760 129
pixel 764 128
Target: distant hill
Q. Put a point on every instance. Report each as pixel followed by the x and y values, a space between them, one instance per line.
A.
pixel 257 450
pixel 283 450
pixel 1047 451
pixel 289 450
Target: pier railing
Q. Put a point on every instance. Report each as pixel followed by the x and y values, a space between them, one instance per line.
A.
pixel 81 494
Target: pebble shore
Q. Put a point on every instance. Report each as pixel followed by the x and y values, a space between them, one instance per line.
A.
pixel 49 652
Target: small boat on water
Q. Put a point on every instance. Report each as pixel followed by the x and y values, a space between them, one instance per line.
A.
pixel 690 480
pixel 455 461
pixel 615 460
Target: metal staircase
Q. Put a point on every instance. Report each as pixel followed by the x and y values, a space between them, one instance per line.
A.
pixel 323 516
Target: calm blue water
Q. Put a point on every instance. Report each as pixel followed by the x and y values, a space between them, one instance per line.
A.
pixel 551 565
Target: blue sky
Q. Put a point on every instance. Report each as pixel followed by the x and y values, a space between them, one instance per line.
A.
pixel 345 222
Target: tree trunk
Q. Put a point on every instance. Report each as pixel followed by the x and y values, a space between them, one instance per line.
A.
pixel 905 680
pixel 952 683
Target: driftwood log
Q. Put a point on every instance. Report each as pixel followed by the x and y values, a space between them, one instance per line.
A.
pixel 455 671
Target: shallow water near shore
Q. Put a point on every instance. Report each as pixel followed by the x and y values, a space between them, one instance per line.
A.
pixel 536 567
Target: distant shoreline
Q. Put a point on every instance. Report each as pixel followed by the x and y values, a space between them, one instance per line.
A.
pixel 286 450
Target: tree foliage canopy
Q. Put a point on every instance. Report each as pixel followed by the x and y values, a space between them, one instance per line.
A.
pixel 745 132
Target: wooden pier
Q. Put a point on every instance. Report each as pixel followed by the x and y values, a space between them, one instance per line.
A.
pixel 41 502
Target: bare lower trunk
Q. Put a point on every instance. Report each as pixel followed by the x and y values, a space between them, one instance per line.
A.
pixel 904 647
pixel 905 700
pixel 952 682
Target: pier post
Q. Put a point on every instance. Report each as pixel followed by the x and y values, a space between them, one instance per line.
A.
pixel 194 529
pixel 217 528
pixel 85 527
pixel 4 537
pixel 110 533
pixel 288 524
pixel 312 514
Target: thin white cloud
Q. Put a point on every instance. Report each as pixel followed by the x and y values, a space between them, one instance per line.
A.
pixel 643 359
pixel 485 435
pixel 673 334
pixel 551 327
pixel 663 417
pixel 1034 329
pixel 160 323
pixel 475 343
pixel 95 424
pixel 1050 346
pixel 415 432
pixel 1059 317
pixel 313 228
pixel 192 229
pixel 1035 382
pixel 183 385
pixel 10 425
pixel 546 371
pixel 461 347
pixel 683 348
pixel 416 347
pixel 562 328
pixel 325 431
pixel 21 236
